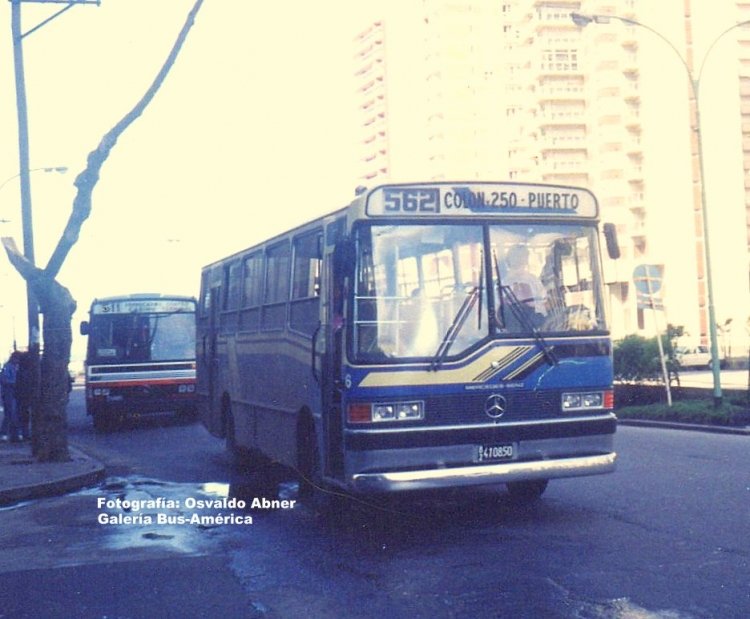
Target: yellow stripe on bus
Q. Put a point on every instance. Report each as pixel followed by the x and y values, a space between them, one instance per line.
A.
pixel 480 370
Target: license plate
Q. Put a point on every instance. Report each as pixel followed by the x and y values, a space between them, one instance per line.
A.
pixel 495 453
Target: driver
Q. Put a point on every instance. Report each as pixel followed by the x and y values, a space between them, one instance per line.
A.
pixel 526 286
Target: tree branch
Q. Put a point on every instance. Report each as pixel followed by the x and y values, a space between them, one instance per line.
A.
pixel 86 180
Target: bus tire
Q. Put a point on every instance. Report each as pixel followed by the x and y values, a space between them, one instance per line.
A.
pixel 313 491
pixel 527 491
pixel 230 440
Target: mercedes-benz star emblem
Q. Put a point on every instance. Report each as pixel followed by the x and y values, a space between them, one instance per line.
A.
pixel 495 406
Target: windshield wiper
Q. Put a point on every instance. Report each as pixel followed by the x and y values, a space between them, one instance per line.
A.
pixel 458 322
pixel 518 309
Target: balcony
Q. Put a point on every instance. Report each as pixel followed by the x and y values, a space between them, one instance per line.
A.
pixel 561 118
pixel 636 205
pixel 630 65
pixel 632 91
pixel 638 228
pixel 632 116
pixel 561 143
pixel 634 173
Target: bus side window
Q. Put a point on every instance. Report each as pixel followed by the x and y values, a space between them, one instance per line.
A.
pixel 304 312
pixel 277 286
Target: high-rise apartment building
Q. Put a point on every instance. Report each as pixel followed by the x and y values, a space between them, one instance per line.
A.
pixel 516 90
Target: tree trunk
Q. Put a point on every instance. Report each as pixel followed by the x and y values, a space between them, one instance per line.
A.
pixel 50 379
pixel 49 417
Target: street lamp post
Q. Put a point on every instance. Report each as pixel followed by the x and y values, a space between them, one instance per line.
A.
pixel 583 20
pixel 18 36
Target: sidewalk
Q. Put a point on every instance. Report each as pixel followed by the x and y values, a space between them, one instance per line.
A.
pixel 21 478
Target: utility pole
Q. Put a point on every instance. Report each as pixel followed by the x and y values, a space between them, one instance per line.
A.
pixel 23 144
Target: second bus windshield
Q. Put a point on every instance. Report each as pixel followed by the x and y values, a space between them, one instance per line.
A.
pixel 138 337
pixel 422 287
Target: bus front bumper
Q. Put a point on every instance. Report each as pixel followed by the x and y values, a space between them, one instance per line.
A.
pixel 484 474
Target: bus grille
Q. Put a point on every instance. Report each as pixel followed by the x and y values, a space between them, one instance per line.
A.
pixel 469 409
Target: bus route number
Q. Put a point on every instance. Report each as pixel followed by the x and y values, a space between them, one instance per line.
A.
pixel 411 200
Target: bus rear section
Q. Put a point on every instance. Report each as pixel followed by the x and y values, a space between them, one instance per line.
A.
pixel 140 357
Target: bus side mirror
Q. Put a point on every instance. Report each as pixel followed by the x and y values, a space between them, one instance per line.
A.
pixel 343 258
pixel 610 235
pixel 84 327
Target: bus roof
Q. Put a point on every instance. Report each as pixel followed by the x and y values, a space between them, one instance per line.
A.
pixel 141 296
pixel 445 199
pixel 142 303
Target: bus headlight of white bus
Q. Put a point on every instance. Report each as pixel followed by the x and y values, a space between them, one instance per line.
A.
pixel 589 400
pixel 385 411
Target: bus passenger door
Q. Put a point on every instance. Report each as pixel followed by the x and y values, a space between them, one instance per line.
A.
pixel 330 349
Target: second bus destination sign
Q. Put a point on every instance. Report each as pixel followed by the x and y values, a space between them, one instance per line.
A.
pixel 480 199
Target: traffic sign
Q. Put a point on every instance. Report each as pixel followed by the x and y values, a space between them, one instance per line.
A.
pixel 648 278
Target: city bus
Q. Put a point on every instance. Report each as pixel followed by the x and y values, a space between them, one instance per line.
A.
pixel 394 345
pixel 140 356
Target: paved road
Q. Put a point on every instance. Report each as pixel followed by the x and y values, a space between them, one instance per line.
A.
pixel 666 536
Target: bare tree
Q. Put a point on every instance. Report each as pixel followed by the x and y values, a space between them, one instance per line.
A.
pixel 49 437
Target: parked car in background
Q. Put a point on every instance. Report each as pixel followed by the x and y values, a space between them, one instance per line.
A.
pixel 696 357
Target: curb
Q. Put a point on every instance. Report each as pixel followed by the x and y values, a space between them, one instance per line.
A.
pixel 89 473
pixel 694 427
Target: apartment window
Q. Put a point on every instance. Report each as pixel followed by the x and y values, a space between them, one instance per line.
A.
pixel 560 59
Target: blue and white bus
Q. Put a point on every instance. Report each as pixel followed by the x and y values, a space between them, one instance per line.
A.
pixel 428 335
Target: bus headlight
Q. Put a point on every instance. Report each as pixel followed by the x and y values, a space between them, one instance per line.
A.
pixel 385 411
pixel 589 400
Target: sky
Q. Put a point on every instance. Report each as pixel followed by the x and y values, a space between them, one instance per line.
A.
pixel 252 133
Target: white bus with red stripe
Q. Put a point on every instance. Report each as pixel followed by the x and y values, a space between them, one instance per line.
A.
pixel 140 356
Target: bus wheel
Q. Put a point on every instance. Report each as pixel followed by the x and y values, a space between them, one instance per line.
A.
pixel 313 491
pixel 230 440
pixel 527 491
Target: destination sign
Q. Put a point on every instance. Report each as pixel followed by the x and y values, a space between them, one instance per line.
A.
pixel 481 200
pixel 143 306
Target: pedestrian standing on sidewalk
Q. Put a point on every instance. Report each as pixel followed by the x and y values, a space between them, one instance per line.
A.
pixel 8 378
pixel 24 392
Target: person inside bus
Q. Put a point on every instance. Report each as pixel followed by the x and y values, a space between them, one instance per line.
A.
pixel 526 288
pixel 420 331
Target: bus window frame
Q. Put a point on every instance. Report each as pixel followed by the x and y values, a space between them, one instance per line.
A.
pixel 493 333
pixel 283 299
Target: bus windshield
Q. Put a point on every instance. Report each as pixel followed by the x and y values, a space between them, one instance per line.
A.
pixel 139 337
pixel 438 290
